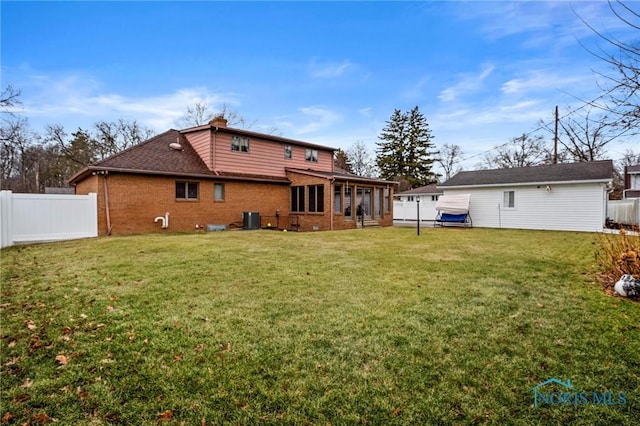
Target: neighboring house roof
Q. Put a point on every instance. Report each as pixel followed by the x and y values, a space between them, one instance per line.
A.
pixel 428 189
pixel 155 156
pixel 340 174
pixel 58 190
pixel 633 169
pixel 596 171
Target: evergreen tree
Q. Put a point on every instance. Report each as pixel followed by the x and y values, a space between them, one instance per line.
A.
pixel 342 161
pixel 406 151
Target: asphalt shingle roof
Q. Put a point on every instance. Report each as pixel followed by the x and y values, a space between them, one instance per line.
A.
pixel 155 155
pixel 569 172
pixel 428 189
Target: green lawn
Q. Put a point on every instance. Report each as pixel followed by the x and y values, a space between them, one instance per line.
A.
pixel 375 326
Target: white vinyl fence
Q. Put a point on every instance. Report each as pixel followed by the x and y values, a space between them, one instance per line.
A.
pixel 46 217
pixel 624 212
pixel 408 210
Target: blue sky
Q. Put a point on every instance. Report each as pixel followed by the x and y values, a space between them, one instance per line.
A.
pixel 324 72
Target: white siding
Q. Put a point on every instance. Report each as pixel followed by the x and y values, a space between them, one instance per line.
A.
pixel 566 207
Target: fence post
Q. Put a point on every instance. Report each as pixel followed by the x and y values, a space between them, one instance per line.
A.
pixel 93 200
pixel 6 219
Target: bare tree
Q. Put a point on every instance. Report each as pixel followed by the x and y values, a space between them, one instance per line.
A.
pixel 630 158
pixel 448 159
pixel 16 139
pixel 115 136
pixel 201 113
pixel 586 139
pixel 197 114
pixel 9 99
pixel 362 161
pixel 523 151
pixel 621 97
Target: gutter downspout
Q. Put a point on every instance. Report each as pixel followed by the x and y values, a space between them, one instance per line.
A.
pixel 106 201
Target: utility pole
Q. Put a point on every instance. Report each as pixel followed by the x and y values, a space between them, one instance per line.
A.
pixel 555 139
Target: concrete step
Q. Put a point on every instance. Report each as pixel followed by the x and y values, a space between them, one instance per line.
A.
pixel 368 223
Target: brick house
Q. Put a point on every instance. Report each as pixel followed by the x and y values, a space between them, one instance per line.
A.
pixel 216 175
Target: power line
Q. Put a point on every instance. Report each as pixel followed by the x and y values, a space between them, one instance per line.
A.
pixel 542 127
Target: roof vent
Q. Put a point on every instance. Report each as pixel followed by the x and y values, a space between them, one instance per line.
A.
pixel 176 146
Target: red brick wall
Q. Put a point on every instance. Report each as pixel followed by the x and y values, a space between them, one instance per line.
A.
pixel 322 221
pixel 136 200
pixel 312 221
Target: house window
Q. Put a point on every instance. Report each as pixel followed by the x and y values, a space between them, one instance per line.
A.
pixel 297 199
pixel 409 197
pixel 218 192
pixel 387 200
pixel 311 155
pixel 348 201
pixel 337 199
pixel 287 151
pixel 316 198
pixel 434 197
pixel 186 190
pixel 378 202
pixel 239 143
pixel 509 199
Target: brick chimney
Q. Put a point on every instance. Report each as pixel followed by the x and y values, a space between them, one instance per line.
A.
pixel 218 121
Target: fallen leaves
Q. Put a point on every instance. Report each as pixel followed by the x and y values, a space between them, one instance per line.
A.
pixel 23 397
pixel 42 418
pixel 8 417
pixel 12 361
pixel 164 416
pixel 82 393
pixel 62 360
pixel 30 325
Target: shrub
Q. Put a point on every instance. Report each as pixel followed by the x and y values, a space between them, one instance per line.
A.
pixel 618 254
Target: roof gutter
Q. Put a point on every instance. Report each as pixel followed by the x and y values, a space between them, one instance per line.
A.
pixel 212 175
pixel 495 185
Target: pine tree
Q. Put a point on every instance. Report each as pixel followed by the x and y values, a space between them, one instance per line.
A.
pixel 342 161
pixel 406 153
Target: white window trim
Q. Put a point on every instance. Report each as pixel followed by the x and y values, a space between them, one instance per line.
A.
pixel 504 205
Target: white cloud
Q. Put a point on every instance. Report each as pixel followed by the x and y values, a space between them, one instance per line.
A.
pixel 329 69
pixel 78 100
pixel 365 112
pixel 540 80
pixel 468 83
pixel 309 120
pixel 318 118
pixel 416 91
